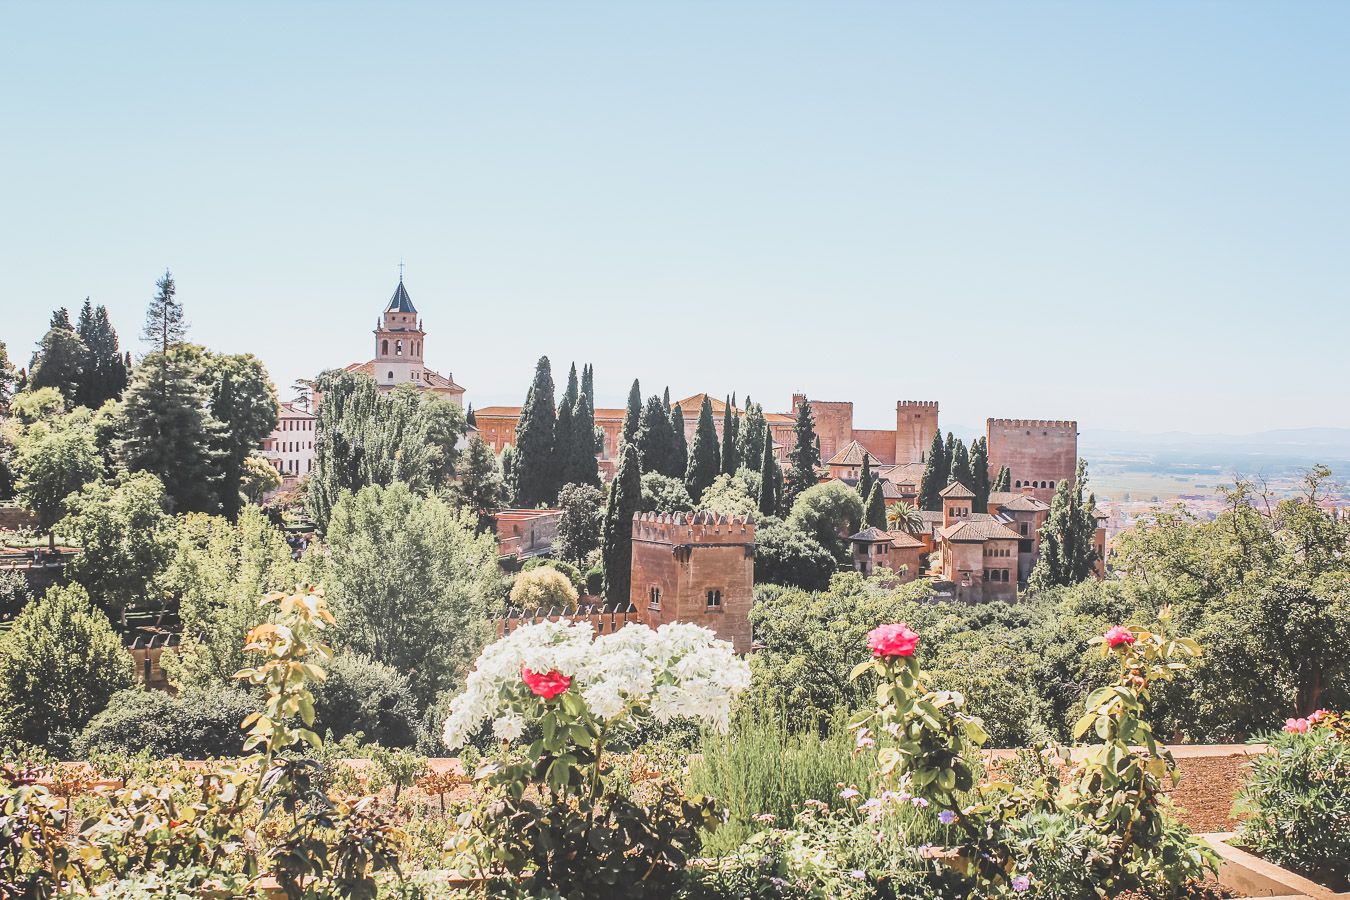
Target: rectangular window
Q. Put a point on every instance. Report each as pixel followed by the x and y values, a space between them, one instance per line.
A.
pixel 654 598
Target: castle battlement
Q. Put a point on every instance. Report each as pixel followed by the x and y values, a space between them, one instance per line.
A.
pixel 701 527
pixel 916 404
pixel 1033 423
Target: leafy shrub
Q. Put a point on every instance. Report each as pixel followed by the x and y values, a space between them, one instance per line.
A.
pixel 543 587
pixel 572 572
pixel 663 494
pixel 15 593
pixel 595 580
pixel 1297 796
pixel 361 696
pixel 760 768
pixel 788 556
pixel 195 724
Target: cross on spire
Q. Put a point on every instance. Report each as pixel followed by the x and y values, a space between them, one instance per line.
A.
pixel 400 270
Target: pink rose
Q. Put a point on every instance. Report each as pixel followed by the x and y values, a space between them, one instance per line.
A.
pixel 1296 726
pixel 547 685
pixel 892 640
pixel 1318 716
pixel 1118 635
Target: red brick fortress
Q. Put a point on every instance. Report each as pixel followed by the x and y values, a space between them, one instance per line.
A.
pixel 696 567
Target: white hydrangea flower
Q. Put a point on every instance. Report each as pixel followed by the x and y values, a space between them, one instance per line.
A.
pixel 509 727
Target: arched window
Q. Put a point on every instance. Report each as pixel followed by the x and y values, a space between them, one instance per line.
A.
pixel 398 347
pixel 714 599
pixel 384 347
pixel 390 376
pixel 1052 485
pixel 1017 484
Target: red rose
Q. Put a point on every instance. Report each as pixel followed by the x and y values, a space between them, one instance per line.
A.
pixel 1118 635
pixel 547 684
pixel 892 640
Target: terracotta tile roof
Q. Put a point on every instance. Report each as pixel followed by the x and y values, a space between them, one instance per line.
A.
pixel 905 473
pixel 851 455
pixel 956 491
pixel 1025 503
pixel 898 539
pixel 978 527
pixel 437 379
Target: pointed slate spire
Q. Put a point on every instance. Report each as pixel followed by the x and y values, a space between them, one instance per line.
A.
pixel 400 302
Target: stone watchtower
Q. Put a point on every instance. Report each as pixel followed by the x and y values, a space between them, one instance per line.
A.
pixel 398 342
pixel 916 421
pixel 695 567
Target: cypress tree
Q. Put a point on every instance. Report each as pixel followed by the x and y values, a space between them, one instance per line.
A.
pixel 961 466
pixel 680 454
pixel 933 480
pixel 948 458
pixel 865 480
pixel 633 415
pixel 770 479
pixel 580 466
pixel 469 417
pixel 804 458
pixel 588 382
pixel 875 513
pixel 7 379
pixel 655 441
pixel 979 470
pixel 704 464
pixel 1067 554
pixel 625 499
pixel 536 471
pixel 564 429
pixel 730 458
pixel 750 434
pixel 1004 480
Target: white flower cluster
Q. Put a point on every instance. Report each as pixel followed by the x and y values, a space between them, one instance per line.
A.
pixel 676 671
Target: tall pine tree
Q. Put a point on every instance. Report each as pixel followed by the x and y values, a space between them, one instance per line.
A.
pixel 580 466
pixel 536 469
pixel 1067 553
pixel 750 434
pixel 865 479
pixel 106 377
pixel 61 359
pixel 804 458
pixel 167 429
pixel 625 499
pixel 680 461
pixel 934 476
pixel 564 430
pixel 164 325
pixel 770 478
pixel 704 463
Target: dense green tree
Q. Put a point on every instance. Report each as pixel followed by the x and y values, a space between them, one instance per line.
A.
pixel 59 665
pixel 105 375
pixel 979 473
pixel 409 581
pixel 61 359
pixel 480 488
pixel 704 456
pixel 681 452
pixel 733 495
pixel 470 418
pixel 632 416
pixel 948 458
pixel 244 402
pixel 126 540
pixel 363 436
pixel 54 461
pixel 874 516
pixel 580 524
pixel 166 428
pixel 934 478
pixel 198 723
pixel 787 556
pixel 508 463
pixel 828 512
pixel 164 327
pixel 537 473
pixel 216 576
pixel 565 435
pixel 655 442
pixel 588 382
pixel 260 478
pixel 961 472
pixel 750 434
pixel 663 494
pixel 770 478
pixel 625 500
pixel 730 445
pixel 7 379
pixel 1067 554
pixel 361 696
pixel 804 457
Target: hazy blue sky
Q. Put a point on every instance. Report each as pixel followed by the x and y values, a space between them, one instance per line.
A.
pixel 1131 214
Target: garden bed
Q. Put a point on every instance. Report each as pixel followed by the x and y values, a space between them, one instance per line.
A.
pixel 1252 876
